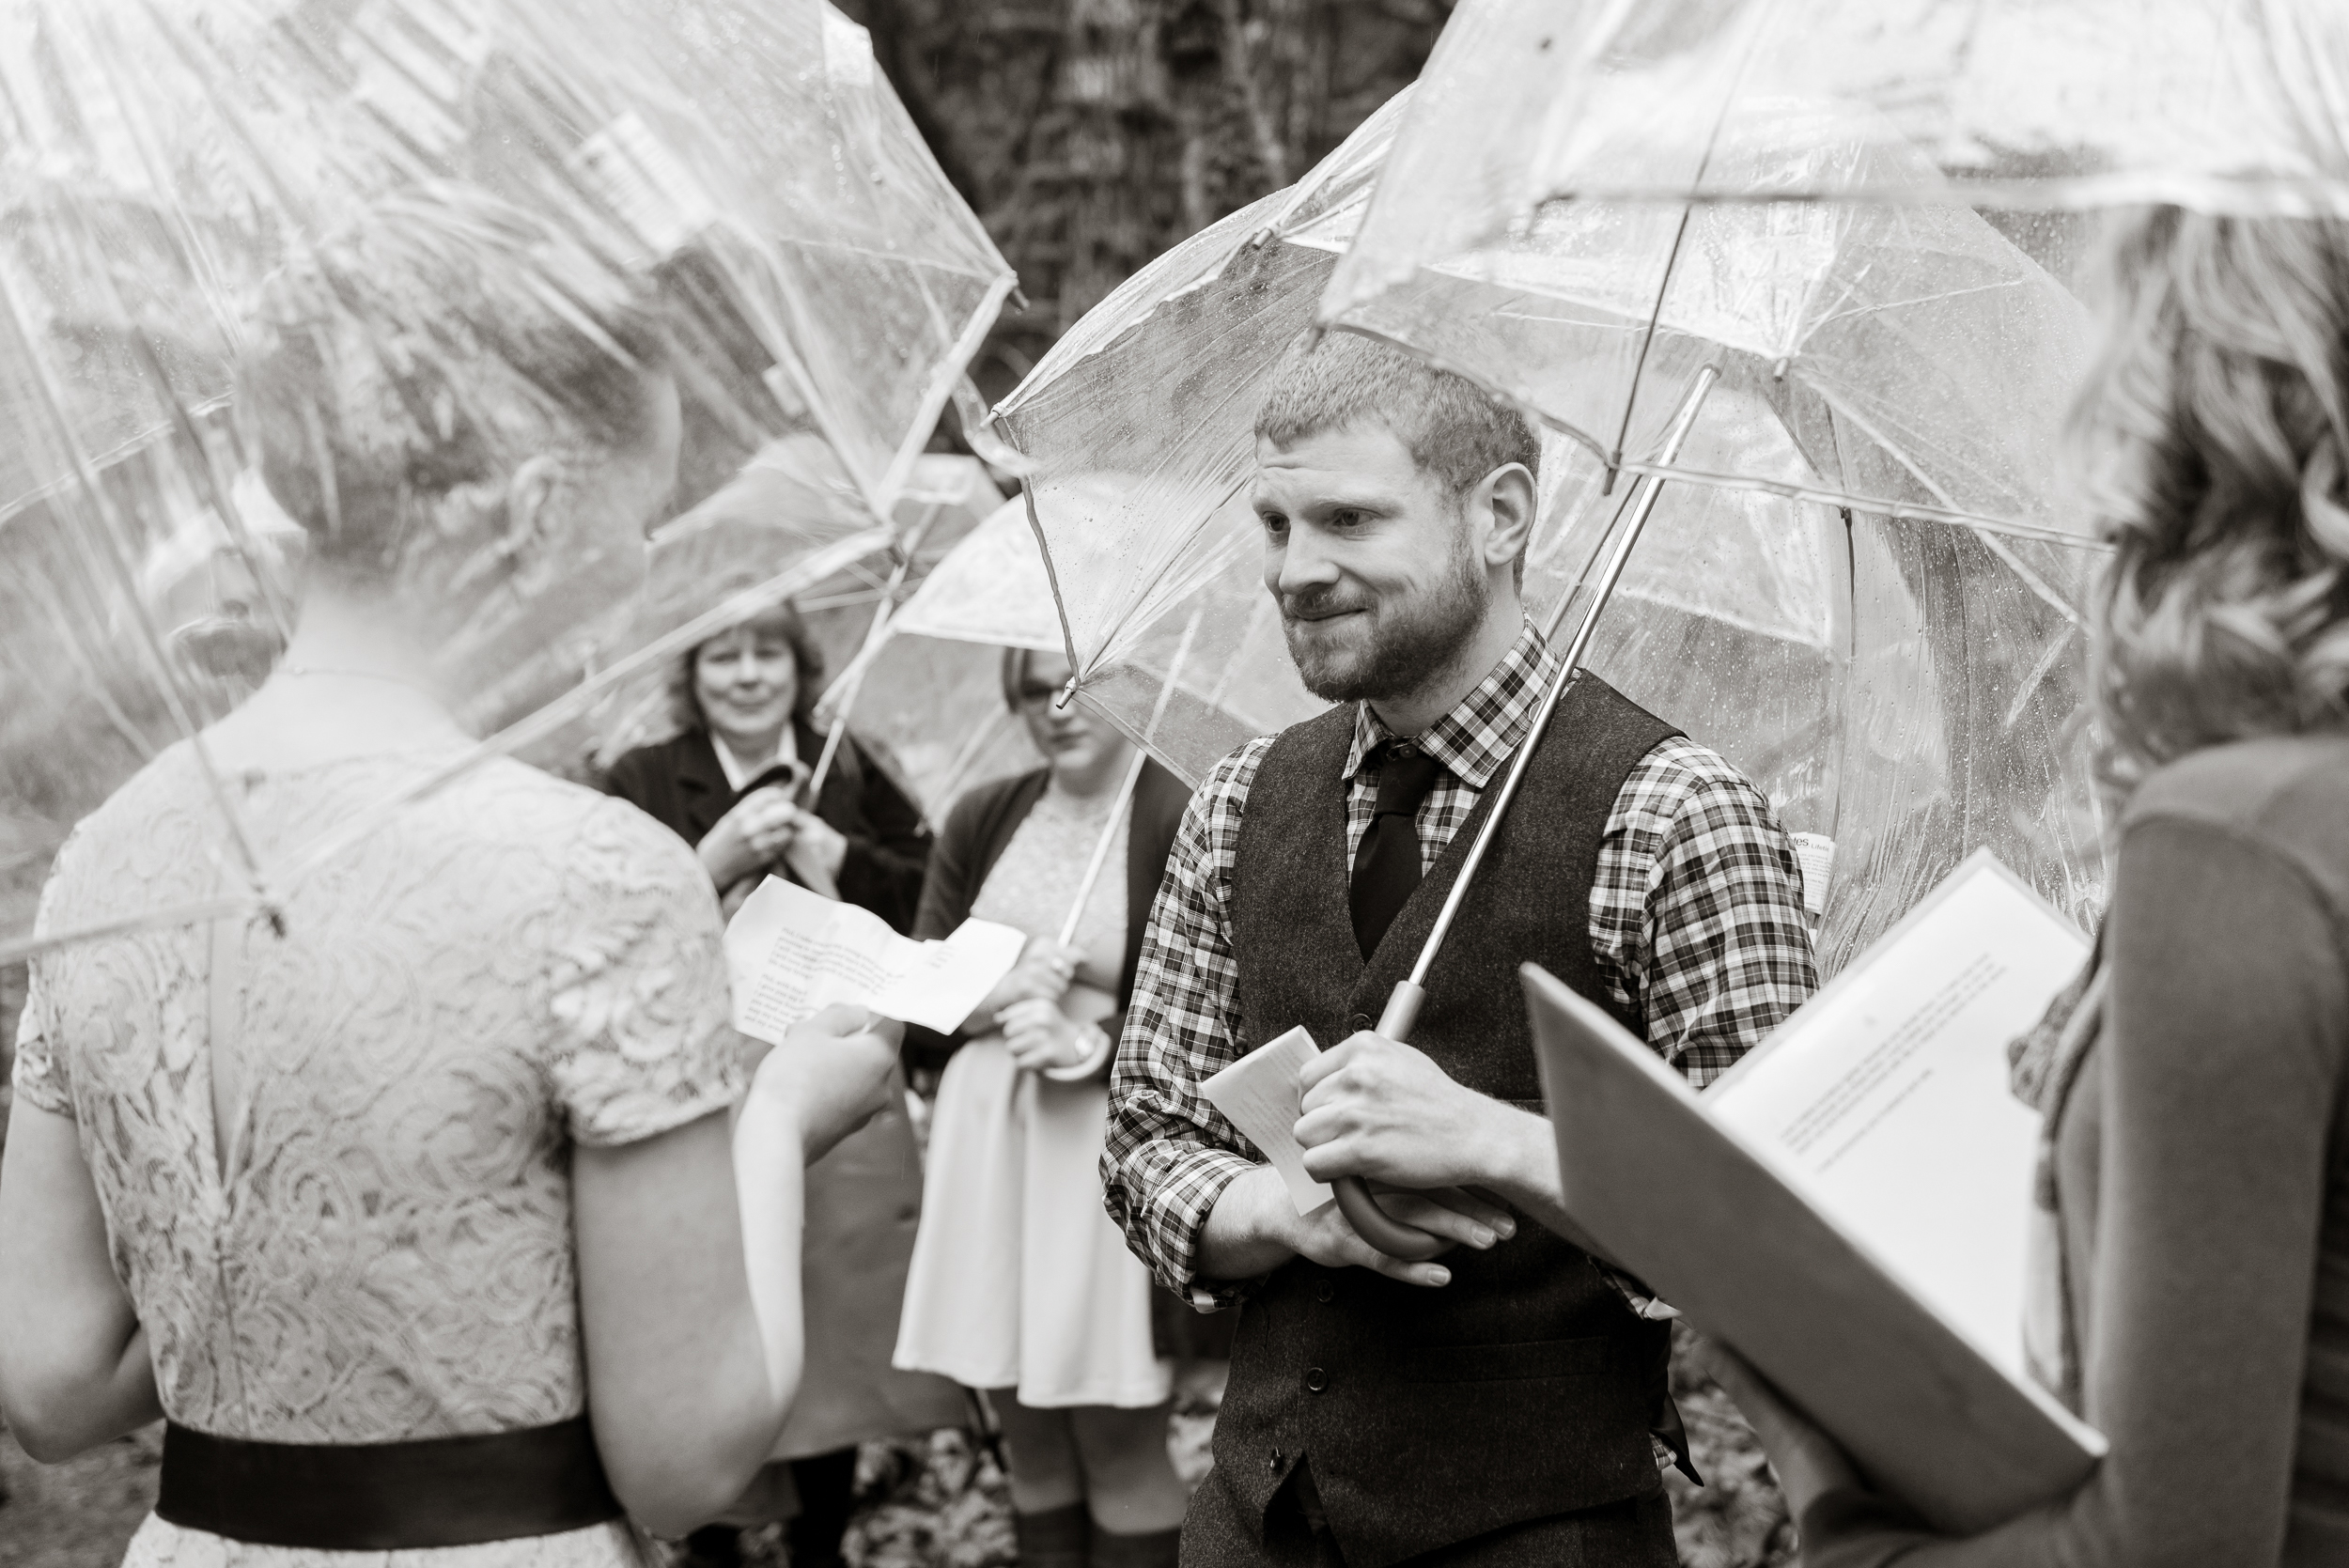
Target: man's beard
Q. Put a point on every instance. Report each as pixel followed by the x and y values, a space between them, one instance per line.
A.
pixel 1409 640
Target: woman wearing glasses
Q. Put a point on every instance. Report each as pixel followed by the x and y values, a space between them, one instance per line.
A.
pixel 1021 1283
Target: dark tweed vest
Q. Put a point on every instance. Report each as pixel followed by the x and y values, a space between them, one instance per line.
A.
pixel 1523 1388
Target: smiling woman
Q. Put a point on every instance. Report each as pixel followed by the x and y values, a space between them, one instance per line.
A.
pixel 1021 1284
pixel 731 783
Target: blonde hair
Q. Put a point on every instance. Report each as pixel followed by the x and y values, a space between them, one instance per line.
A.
pixel 426 350
pixel 2214 433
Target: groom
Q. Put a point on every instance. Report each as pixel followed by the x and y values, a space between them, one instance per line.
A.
pixel 1493 1406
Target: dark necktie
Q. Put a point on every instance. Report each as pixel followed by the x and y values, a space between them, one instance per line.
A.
pixel 1386 867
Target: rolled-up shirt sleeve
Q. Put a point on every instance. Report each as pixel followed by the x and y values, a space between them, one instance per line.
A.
pixel 1170 1153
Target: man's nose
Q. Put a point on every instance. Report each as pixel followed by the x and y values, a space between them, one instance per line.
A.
pixel 1301 564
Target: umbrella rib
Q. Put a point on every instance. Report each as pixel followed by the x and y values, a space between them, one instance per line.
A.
pixel 1647 337
pixel 1902 511
pixel 1845 314
pixel 1671 258
pixel 1060 605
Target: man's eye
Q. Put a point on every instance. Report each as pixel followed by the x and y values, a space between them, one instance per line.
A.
pixel 1274 522
pixel 1344 517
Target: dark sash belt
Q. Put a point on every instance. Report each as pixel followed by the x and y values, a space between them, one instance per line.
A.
pixel 387 1497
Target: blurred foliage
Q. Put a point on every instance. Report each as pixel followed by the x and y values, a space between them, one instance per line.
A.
pixel 1092 134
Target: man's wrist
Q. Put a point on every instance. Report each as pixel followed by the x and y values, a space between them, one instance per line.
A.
pixel 1525 1148
pixel 1250 1228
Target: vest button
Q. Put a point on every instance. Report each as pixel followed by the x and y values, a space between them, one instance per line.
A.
pixel 1325 1290
pixel 1359 1023
pixel 1316 1379
pixel 1273 1464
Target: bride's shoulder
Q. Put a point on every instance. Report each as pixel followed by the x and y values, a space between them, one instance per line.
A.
pixel 599 835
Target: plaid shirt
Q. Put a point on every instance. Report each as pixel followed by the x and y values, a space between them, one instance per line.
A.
pixel 1696 920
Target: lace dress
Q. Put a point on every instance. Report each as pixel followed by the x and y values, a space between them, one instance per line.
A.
pixel 1019 1279
pixel 378 1246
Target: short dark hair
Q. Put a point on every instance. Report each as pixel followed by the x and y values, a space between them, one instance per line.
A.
pixel 440 341
pixel 1452 427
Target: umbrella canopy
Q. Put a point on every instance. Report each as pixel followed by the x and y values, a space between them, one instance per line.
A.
pixel 1904 691
pixel 2020 105
pixel 741 165
pixel 932 706
pixel 791 502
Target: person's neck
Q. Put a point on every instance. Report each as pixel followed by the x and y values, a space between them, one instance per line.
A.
pixel 356 679
pixel 1103 775
pixel 1444 689
pixel 752 749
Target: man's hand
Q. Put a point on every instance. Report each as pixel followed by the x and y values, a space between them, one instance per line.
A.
pixel 1254 1228
pixel 1376 1107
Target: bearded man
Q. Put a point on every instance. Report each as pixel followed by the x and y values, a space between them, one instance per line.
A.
pixel 1503 1405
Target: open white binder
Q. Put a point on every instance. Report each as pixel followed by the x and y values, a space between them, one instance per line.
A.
pixel 1847 1208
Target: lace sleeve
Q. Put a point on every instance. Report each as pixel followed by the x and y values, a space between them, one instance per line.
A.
pixel 40 1071
pixel 643 1039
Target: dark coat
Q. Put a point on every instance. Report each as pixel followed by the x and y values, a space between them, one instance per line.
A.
pixel 680 782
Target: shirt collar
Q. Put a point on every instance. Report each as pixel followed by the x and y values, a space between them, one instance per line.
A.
pixel 1478 736
pixel 740 771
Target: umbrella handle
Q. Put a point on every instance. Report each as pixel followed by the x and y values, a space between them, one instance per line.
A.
pixel 1362 1211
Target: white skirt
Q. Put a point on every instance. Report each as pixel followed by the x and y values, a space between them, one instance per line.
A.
pixel 1020 1281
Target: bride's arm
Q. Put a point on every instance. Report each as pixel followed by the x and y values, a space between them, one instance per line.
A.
pixel 689 1274
pixel 74 1371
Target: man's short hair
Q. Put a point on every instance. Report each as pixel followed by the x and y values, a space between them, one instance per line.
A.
pixel 1452 428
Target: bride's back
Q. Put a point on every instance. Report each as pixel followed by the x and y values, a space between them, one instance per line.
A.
pixel 377 1247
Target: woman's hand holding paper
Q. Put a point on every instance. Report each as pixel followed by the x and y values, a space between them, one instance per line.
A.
pixel 830 1075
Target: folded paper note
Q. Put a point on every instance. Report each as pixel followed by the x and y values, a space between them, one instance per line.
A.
pixel 793 952
pixel 1259 1094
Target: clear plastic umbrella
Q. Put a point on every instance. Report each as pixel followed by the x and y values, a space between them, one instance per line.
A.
pixel 792 499
pixel 742 163
pixel 932 704
pixel 1904 691
pixel 2018 105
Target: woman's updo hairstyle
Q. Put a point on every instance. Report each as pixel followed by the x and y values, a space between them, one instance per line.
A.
pixel 403 368
pixel 2215 438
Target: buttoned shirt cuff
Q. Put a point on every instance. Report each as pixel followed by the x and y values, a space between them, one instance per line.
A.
pixel 1199 1178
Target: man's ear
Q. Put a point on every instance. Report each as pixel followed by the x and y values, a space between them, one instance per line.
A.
pixel 1508 494
pixel 528 495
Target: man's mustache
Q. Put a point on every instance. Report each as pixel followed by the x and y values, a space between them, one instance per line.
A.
pixel 1314 604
